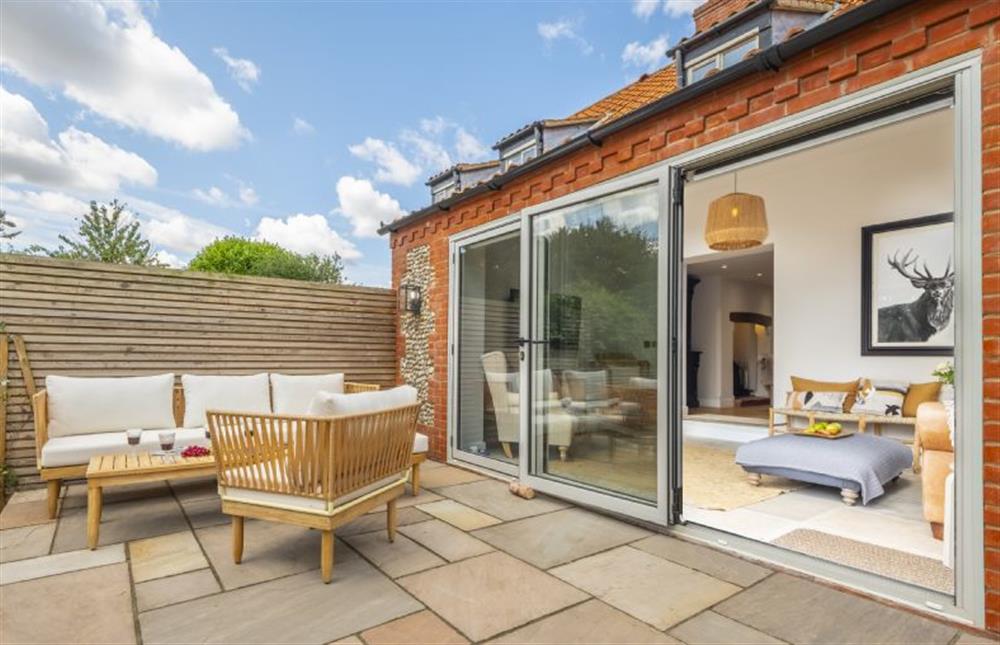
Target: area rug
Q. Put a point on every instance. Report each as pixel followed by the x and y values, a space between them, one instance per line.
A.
pixel 891 563
pixel 713 481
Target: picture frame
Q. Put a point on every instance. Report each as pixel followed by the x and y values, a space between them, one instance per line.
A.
pixel 907 287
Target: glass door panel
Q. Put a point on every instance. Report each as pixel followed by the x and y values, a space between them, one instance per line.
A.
pixel 487 387
pixel 593 325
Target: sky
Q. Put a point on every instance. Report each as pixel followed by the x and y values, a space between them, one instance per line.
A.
pixel 305 124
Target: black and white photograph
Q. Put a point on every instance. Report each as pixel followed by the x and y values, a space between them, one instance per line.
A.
pixel 908 287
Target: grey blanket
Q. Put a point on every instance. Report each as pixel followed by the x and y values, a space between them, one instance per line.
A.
pixel 863 458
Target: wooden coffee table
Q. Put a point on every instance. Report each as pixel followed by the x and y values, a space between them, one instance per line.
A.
pixel 119 470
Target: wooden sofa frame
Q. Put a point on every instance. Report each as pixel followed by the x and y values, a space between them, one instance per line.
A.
pixel 53 477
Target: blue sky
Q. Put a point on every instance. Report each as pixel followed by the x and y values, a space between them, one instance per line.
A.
pixel 301 123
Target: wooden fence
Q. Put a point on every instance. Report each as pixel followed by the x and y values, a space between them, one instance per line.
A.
pixel 91 319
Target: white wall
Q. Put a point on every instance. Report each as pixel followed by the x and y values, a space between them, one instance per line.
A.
pixel 817 202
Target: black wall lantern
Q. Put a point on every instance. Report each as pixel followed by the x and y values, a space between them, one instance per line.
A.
pixel 409 298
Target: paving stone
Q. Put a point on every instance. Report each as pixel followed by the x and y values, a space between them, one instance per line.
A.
pixel 405 500
pixel 421 628
pixel 26 541
pixel 490 594
pixel 170 591
pixel 800 611
pixel 589 622
pixel 710 561
pixel 76 494
pixel 399 558
pixel 293 609
pixel 24 514
pixel 376 521
pixel 459 515
pixel 445 540
pixel 649 588
pixel 968 638
pixel 121 522
pixel 557 538
pixel 494 498
pixel 51 565
pixel 32 495
pixel 270 550
pixel 350 640
pixel 189 490
pixel 165 555
pixel 446 476
pixel 92 606
pixel 205 512
pixel 710 628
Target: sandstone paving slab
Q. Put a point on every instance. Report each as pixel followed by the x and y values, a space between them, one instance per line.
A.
pixel 494 498
pixel 121 522
pixel 26 541
pixel 710 628
pixel 90 606
pixel 445 540
pixel 161 592
pixel 405 500
pixel 33 495
pixel 350 640
pixel 165 555
pixel 398 558
pixel 490 594
pixel 58 563
pixel 25 514
pixel 421 628
pixel 205 512
pixel 589 622
pixel 969 638
pixel 189 490
pixel 76 494
pixel 446 476
pixel 459 515
pixel 711 561
pixel 377 521
pixel 293 609
pixel 556 538
pixel 654 590
pixel 270 550
pixel 801 611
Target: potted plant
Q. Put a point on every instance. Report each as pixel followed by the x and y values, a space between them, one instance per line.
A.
pixel 945 374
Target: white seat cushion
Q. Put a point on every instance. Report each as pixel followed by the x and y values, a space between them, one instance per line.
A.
pixel 249 394
pixel 331 404
pixel 78 405
pixel 284 500
pixel 419 442
pixel 76 450
pixel 292 393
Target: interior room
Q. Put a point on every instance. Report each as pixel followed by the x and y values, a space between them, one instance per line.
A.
pixel 854 274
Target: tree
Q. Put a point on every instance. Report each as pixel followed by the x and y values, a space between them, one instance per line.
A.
pixel 106 234
pixel 7 229
pixel 240 256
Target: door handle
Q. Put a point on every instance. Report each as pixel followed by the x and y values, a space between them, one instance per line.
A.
pixel 521 342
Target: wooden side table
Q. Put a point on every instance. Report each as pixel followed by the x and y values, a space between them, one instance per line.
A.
pixel 119 470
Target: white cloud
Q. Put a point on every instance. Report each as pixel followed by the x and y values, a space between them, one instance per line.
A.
pixel 169 259
pixel 393 166
pixel 45 201
pixel 430 154
pixel 214 196
pixel 567 30
pixel 107 57
pixel 645 8
pixel 173 230
pixel 680 8
pixel 244 71
pixel 468 147
pixel 248 195
pixel 436 125
pixel 648 56
pixel 306 234
pixel 245 196
pixel 364 206
pixel 77 159
pixel 301 126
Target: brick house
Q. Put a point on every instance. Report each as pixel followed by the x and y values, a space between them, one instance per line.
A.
pixel 807 70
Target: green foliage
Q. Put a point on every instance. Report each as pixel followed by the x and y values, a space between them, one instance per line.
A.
pixel 9 477
pixel 7 228
pixel 240 256
pixel 106 234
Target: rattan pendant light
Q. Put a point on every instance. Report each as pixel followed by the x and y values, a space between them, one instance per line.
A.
pixel 736 221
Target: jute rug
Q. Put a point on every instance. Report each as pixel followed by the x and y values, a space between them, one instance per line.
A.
pixel 713 481
pixel 899 565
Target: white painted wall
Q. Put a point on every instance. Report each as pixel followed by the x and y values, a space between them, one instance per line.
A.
pixel 817 202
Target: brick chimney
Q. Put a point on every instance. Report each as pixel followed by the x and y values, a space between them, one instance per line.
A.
pixel 713 11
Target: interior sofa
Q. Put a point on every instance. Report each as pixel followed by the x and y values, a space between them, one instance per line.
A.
pixel 937 457
pixel 80 417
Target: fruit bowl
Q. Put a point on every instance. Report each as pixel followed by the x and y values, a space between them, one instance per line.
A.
pixel 825 430
pixel 195 451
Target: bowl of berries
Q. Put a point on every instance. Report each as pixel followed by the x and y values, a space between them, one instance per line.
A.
pixel 195 451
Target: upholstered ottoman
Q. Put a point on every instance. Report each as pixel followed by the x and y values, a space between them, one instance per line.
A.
pixel 859 465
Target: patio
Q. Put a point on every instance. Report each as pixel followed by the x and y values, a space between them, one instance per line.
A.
pixel 471 562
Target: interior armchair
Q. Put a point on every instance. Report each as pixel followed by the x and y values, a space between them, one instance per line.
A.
pixel 315 472
pixel 937 460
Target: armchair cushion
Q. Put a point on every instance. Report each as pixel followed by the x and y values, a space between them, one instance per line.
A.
pixel 224 393
pixel 932 428
pixel 586 386
pixel 76 450
pixel 292 394
pixel 919 393
pixel 83 406
pixel 332 404
pixel 800 384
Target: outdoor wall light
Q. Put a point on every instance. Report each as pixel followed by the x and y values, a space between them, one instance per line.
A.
pixel 410 298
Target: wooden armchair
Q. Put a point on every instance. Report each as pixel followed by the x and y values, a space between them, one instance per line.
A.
pixel 316 472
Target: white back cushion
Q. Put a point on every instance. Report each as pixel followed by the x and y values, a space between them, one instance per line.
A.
pixel 292 394
pixel 80 405
pixel 226 393
pixel 331 404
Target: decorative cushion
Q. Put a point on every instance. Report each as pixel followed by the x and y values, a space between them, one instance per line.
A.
pixel 226 393
pixel 919 393
pixel 817 401
pixel 76 450
pixel 292 394
pixel 586 386
pixel 800 384
pixel 84 405
pixel 332 404
pixel 419 442
pixel 883 398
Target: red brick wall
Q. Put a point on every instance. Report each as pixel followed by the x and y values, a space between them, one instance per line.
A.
pixel 911 38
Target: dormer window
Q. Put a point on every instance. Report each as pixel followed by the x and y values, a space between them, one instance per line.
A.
pixel 444 191
pixel 721 57
pixel 519 154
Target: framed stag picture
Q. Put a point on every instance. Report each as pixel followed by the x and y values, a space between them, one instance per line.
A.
pixel 907 287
